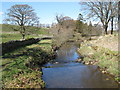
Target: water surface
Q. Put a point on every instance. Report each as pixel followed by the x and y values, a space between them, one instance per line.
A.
pixel 64 72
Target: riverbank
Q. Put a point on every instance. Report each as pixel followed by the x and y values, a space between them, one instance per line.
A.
pixel 64 72
pixel 103 52
pixel 22 67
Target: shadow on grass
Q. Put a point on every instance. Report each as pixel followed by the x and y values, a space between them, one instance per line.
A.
pixel 10 56
pixel 43 43
pixel 36 57
pixel 28 61
pixel 13 45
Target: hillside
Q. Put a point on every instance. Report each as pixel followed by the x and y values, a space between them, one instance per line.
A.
pixel 10 32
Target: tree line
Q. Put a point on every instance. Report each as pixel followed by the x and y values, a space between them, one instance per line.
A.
pixel 24 16
pixel 104 11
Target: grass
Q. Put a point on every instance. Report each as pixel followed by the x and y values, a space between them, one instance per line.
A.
pixel 103 57
pixel 22 67
pixel 8 33
pixel 7 37
pixel 86 50
pixel 44 44
pixel 45 41
pixel 14 36
pixel 26 80
pixel 14 29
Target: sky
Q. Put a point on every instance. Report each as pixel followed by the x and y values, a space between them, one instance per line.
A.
pixel 46 11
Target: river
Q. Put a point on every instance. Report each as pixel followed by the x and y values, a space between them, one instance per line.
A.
pixel 64 72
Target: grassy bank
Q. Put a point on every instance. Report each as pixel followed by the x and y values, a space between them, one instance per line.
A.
pixel 102 54
pixel 22 67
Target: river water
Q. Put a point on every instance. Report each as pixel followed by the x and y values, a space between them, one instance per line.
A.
pixel 64 72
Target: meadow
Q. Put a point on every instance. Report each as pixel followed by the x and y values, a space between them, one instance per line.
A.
pixel 21 68
pixel 8 33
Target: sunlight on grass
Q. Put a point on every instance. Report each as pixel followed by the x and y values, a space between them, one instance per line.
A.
pixel 105 58
pixel 8 33
pixel 19 72
pixel 46 41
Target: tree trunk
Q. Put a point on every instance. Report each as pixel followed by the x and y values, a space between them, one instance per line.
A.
pixel 23 36
pixel 23 32
pixel 119 16
pixel 105 27
pixel 112 26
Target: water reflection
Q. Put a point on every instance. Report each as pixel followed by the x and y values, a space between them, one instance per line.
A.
pixel 66 54
pixel 67 74
pixel 76 77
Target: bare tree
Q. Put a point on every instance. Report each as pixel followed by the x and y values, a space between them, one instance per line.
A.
pixel 101 10
pixel 63 29
pixel 63 21
pixel 119 16
pixel 114 10
pixel 90 29
pixel 59 19
pixel 22 15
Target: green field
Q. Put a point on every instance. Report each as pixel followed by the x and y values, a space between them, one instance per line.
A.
pixel 21 68
pixel 8 33
pixel 16 71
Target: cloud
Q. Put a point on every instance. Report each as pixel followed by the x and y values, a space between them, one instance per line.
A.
pixel 1 13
